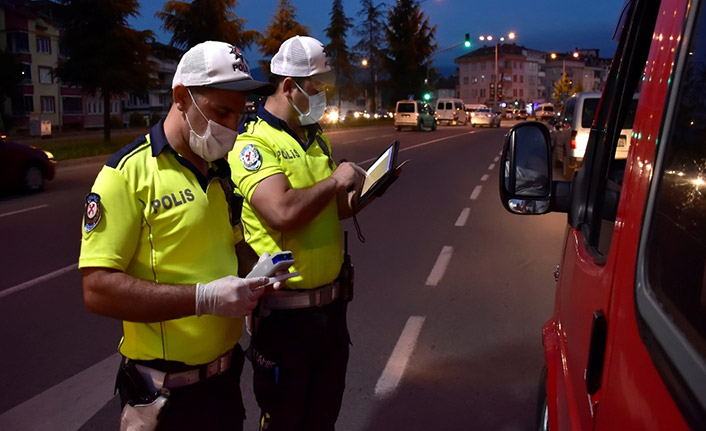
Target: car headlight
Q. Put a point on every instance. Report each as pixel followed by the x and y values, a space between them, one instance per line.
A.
pixel 50 156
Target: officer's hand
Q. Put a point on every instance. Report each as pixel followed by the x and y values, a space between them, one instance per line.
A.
pixel 229 296
pixel 348 176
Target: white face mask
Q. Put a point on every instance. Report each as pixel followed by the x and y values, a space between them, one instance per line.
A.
pixel 317 106
pixel 215 142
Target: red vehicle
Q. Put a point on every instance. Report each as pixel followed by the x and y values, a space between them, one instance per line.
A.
pixel 625 348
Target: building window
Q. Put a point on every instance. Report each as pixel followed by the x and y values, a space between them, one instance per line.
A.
pixel 48 104
pixel 26 73
pixel 72 105
pixel 45 75
pixel 514 78
pixel 23 105
pixel 522 93
pixel 465 80
pixel 18 42
pixel 522 78
pixel 43 45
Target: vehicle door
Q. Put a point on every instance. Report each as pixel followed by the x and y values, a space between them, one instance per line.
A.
pixel 575 339
pixel 655 374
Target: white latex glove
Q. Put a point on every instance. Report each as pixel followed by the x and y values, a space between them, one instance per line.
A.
pixel 229 296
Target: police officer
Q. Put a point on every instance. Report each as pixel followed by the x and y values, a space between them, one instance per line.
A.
pixel 161 250
pixel 294 197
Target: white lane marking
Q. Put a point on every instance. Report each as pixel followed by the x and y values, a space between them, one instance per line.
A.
pixel 476 192
pixel 491 166
pixel 439 269
pixel 422 144
pixel 484 177
pixel 23 210
pixel 347 142
pixel 397 363
pixel 30 283
pixel 68 405
pixel 370 138
pixel 463 217
pixel 496 159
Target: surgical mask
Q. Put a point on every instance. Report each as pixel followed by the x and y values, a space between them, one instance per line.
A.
pixel 215 142
pixel 317 106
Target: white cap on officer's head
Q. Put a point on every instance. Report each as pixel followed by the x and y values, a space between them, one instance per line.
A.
pixel 218 65
pixel 302 57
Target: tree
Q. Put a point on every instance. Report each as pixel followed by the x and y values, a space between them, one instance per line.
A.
pixel 10 79
pixel 562 88
pixel 200 20
pixel 411 44
pixel 282 27
pixel 577 88
pixel 338 50
pixel 105 55
pixel 371 46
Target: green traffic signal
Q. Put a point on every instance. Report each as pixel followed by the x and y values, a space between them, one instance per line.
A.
pixel 467 43
pixel 427 96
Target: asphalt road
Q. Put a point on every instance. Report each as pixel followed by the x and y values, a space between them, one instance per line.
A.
pixel 451 294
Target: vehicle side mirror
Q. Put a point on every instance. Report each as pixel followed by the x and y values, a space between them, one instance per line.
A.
pixel 525 170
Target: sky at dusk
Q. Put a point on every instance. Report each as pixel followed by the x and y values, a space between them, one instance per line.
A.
pixel 546 25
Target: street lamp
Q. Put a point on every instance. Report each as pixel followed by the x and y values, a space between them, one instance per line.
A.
pixel 373 105
pixel 490 38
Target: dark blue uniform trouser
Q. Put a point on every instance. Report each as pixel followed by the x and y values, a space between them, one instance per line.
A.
pixel 299 360
pixel 212 404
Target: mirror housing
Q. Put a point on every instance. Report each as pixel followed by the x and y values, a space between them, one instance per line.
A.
pixel 526 185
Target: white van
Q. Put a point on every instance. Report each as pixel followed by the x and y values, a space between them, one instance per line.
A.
pixel 451 111
pixel 574 126
pixel 544 112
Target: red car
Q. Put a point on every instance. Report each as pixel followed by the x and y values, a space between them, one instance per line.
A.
pixel 625 348
pixel 23 167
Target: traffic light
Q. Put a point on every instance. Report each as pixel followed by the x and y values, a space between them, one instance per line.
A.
pixel 500 97
pixel 427 96
pixel 467 43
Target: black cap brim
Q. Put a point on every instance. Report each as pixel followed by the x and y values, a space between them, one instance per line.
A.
pixel 247 86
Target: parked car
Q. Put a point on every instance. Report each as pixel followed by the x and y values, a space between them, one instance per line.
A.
pixel 415 114
pixel 485 117
pixel 573 126
pixel 23 167
pixel 544 112
pixel 625 347
pixel 451 111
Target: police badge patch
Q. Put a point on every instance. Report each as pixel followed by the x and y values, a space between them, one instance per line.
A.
pixel 250 158
pixel 93 212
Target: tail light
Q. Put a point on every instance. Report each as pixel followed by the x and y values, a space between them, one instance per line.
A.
pixel 573 139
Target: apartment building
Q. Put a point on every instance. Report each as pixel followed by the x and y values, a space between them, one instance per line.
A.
pixel 27 30
pixel 524 75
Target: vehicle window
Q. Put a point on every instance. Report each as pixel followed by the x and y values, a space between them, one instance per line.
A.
pixel 673 250
pixel 569 111
pixel 458 105
pixel 440 105
pixel 679 216
pixel 405 107
pixel 449 105
pixel 588 112
pixel 630 119
pixel 549 109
